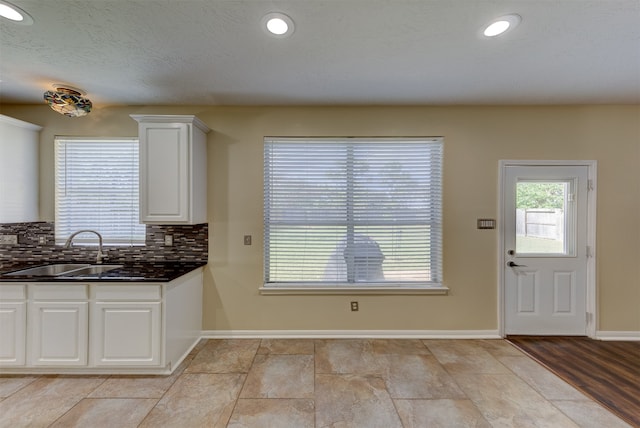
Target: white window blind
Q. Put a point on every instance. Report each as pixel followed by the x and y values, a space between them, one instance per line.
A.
pixel 96 182
pixel 353 211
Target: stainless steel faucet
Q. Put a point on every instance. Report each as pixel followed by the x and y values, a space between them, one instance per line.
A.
pixel 100 255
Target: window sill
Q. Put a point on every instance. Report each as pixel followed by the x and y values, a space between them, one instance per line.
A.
pixel 353 290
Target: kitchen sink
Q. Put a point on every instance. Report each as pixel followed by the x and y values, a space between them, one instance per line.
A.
pixel 50 270
pixel 65 270
pixel 93 270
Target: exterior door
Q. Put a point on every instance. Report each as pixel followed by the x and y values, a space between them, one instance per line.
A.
pixel 545 244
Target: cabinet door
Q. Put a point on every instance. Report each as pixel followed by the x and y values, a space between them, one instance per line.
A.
pixel 13 323
pixel 59 333
pixel 164 172
pixel 126 334
pixel 18 170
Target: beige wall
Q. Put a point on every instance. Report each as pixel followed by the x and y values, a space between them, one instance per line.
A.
pixel 475 139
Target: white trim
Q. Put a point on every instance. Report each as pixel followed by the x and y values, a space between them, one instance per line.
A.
pixel 618 335
pixel 261 334
pixel 86 370
pixel 591 302
pixel 387 290
pixel 350 334
pixel 591 296
pixel 20 123
pixel 500 256
pixel 172 118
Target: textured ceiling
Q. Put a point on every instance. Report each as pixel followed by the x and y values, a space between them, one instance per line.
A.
pixel 357 52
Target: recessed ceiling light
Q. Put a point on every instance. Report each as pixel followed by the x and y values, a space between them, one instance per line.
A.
pixel 278 24
pixel 502 25
pixel 14 13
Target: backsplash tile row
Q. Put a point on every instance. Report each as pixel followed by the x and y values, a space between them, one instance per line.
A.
pixel 190 243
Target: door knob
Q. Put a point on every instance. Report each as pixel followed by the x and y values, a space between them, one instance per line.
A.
pixel 513 264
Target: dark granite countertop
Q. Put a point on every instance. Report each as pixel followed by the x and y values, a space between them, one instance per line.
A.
pixel 130 271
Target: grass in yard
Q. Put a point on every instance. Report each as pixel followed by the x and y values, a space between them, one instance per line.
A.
pixel 528 244
pixel 304 253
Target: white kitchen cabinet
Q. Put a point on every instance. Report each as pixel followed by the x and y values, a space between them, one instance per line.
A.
pixel 100 327
pixel 13 325
pixel 58 317
pixel 126 327
pixel 18 170
pixel 173 169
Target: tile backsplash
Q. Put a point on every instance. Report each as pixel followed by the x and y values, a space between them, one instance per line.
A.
pixel 36 241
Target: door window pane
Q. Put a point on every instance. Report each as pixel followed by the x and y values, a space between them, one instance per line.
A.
pixel 541 217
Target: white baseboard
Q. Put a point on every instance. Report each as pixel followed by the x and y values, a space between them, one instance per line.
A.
pixel 350 334
pixel 618 335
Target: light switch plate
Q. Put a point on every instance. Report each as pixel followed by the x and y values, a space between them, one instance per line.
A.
pixel 486 223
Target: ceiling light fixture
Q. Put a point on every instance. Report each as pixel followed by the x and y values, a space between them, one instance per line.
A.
pixel 502 25
pixel 278 24
pixel 68 101
pixel 14 13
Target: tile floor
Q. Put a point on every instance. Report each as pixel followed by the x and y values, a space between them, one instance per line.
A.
pixel 314 383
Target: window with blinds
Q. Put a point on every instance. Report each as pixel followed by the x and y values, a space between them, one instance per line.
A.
pixel 353 211
pixel 96 188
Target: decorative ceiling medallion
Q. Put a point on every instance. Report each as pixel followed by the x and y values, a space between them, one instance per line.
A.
pixel 68 101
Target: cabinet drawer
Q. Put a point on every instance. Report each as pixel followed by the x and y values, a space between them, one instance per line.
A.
pixel 129 293
pixel 58 292
pixel 13 292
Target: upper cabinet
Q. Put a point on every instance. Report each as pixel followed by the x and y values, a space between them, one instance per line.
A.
pixel 173 169
pixel 18 170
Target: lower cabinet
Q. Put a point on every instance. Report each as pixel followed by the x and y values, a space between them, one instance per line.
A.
pixel 127 328
pixel 58 316
pixel 126 333
pixel 13 329
pixel 58 333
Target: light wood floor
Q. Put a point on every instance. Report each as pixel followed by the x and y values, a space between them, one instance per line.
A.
pixel 315 383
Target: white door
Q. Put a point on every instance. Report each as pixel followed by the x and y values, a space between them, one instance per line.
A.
pixel 545 244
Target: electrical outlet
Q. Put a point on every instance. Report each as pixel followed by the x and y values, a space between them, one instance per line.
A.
pixel 168 240
pixel 9 239
pixel 354 306
pixel 247 239
pixel 42 240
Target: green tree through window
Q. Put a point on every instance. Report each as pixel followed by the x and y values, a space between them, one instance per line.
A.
pixel 540 195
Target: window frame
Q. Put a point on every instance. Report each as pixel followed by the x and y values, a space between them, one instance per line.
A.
pixel 91 239
pixel 329 287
